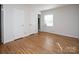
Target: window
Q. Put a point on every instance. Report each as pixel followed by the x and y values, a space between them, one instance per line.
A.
pixel 48 19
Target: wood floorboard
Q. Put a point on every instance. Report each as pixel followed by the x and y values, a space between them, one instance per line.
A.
pixel 42 43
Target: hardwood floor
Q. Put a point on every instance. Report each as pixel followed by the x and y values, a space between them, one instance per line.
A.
pixel 41 43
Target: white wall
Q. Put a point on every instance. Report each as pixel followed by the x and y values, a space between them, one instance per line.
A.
pixel 8 21
pixel 30 17
pixel 36 9
pixel 66 21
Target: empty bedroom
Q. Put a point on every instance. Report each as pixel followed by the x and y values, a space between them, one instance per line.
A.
pixel 39 29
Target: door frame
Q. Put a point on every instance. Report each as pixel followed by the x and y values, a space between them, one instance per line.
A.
pixel 2 25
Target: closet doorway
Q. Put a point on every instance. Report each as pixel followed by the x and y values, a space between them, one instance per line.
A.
pixel 39 17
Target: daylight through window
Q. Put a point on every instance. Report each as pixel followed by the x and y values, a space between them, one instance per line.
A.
pixel 48 19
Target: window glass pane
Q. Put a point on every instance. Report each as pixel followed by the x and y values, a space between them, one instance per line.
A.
pixel 48 20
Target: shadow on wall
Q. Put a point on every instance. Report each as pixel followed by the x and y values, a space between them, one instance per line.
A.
pixel 0 23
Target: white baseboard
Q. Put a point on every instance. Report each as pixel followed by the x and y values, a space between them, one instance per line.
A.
pixel 6 41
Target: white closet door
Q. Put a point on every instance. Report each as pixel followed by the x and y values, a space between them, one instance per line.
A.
pixel 18 24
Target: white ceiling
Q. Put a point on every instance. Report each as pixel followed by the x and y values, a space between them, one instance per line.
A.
pixel 42 7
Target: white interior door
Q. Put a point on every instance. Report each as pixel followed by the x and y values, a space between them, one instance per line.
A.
pixel 18 24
